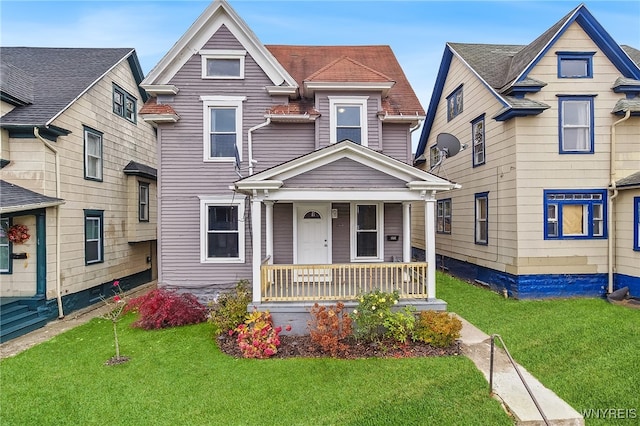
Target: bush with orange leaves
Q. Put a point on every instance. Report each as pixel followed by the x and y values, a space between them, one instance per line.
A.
pixel 328 327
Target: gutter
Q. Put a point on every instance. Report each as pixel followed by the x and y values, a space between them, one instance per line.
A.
pixel 36 133
pixel 250 142
pixel 612 197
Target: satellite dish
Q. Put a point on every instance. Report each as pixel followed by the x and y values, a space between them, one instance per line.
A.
pixel 448 144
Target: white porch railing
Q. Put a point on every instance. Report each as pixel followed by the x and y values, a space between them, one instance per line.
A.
pixel 343 282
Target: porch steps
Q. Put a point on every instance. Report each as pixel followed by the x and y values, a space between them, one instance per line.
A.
pixel 17 319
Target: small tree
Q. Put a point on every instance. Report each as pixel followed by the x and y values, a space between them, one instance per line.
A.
pixel 116 309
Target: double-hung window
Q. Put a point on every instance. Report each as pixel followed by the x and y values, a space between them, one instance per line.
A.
pixel 482 218
pixel 434 156
pixel 454 104
pixel 143 201
pixel 124 104
pixel 477 132
pixel 5 247
pixel 444 216
pixel 92 154
pixel 576 124
pixel 348 119
pixel 222 235
pixel 575 64
pixel 223 128
pixel 223 64
pixel 93 236
pixel 367 228
pixel 575 214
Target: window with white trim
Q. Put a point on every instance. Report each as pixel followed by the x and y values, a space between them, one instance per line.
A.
pixel 367 225
pixel 5 247
pixel 575 214
pixel 223 128
pixel 477 132
pixel 482 218
pixel 222 230
pixel 223 64
pixel 576 124
pixel 434 155
pixel 348 119
pixel 443 216
pixel 92 154
pixel 93 236
pixel 143 201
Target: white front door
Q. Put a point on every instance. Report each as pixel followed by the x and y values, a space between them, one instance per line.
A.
pixel 313 235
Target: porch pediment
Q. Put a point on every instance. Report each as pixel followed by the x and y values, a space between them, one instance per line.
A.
pixel 341 167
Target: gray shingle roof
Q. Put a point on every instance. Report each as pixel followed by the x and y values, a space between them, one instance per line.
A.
pixel 139 169
pixel 634 54
pixel 16 85
pixel 16 198
pixel 631 180
pixel 59 75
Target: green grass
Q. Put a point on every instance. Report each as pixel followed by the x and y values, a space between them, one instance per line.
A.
pixel 179 377
pixel 586 350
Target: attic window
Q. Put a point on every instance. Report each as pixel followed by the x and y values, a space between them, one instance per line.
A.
pixel 575 64
pixel 348 119
pixel 124 104
pixel 454 104
pixel 223 64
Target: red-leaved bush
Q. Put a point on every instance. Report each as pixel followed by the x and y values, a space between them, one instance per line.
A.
pixel 161 308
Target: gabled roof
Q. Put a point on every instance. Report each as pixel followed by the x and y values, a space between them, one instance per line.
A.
pixel 503 68
pixel 416 179
pixel 54 78
pixel 372 65
pixel 217 14
pixel 14 198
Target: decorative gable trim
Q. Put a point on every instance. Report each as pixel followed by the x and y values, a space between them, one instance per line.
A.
pixel 219 13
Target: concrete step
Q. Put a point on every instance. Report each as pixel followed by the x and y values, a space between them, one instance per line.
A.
pixel 508 388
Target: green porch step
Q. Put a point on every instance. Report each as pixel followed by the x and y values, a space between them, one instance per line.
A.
pixel 17 320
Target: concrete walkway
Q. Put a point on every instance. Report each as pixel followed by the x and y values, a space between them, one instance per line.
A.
pixel 508 388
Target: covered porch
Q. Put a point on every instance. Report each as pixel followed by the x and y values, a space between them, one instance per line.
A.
pixel 336 223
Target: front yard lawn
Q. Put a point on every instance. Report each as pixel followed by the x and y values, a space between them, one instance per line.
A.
pixel 586 350
pixel 178 376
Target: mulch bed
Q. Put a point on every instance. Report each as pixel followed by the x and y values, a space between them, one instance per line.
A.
pixel 302 347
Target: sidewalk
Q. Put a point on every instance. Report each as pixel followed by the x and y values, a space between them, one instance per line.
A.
pixel 53 328
pixel 508 388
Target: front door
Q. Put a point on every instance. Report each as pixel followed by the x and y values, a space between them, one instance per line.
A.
pixel 313 243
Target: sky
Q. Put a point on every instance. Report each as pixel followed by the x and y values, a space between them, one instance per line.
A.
pixel 417 30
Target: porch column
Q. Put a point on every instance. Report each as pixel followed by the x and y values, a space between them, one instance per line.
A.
pixel 406 232
pixel 256 227
pixel 269 230
pixel 430 244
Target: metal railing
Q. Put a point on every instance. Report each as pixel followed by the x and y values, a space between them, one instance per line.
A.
pixel 342 281
pixel 515 366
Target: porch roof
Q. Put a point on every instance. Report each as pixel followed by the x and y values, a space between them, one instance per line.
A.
pixel 16 199
pixel 412 182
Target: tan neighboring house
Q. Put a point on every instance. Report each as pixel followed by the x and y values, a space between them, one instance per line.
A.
pixel 78 175
pixel 549 166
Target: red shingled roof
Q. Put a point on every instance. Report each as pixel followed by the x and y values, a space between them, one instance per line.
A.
pixel 367 64
pixel 153 107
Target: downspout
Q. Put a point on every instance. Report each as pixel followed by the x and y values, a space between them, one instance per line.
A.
pixel 36 132
pixel 614 190
pixel 250 143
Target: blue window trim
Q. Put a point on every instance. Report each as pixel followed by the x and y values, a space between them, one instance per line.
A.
pixel 589 202
pixel 10 259
pixel 86 130
pixel 636 223
pixel 99 214
pixel 561 100
pixel 484 142
pixel 586 56
pixel 452 109
pixel 478 196
pixel 125 96
pixel 442 203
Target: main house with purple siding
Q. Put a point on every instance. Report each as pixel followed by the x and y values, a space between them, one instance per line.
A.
pixel 288 166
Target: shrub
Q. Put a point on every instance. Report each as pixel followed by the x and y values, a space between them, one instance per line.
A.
pixel 372 311
pixel 257 338
pixel 328 326
pixel 399 325
pixel 231 308
pixel 440 329
pixel 161 308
